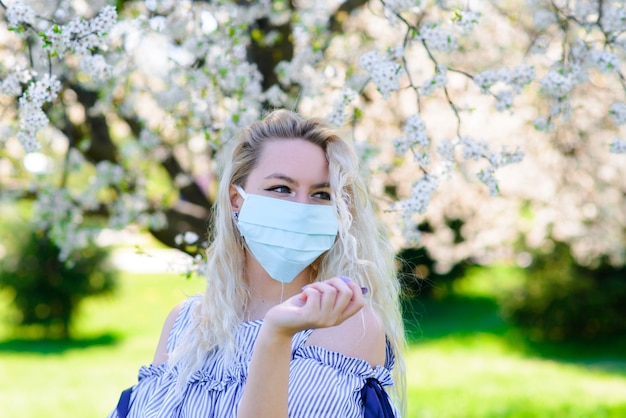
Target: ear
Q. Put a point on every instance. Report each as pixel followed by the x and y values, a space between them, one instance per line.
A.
pixel 235 198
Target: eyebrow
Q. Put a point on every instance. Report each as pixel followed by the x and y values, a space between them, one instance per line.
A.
pixel 290 180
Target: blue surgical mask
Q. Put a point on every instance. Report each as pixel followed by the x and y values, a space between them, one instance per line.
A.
pixel 284 236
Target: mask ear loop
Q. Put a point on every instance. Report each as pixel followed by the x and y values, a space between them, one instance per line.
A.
pixel 244 195
pixel 241 192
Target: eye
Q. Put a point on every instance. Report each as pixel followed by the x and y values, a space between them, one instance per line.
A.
pixel 280 189
pixel 322 195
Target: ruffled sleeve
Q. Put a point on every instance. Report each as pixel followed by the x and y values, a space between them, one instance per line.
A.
pixel 323 383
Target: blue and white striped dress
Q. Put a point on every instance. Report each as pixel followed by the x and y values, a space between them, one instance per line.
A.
pixel 322 383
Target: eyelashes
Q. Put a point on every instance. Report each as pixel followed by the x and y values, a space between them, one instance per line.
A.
pixel 285 190
pixel 281 190
pixel 322 195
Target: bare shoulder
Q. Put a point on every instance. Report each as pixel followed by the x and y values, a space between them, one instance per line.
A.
pixel 362 336
pixel 160 356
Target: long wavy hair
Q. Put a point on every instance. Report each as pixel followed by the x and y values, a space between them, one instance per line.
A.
pixel 361 251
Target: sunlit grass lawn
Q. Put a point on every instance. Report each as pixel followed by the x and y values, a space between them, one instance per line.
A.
pixel 83 378
pixel 463 361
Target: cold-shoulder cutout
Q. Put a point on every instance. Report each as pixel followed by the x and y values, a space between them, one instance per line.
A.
pixel 360 336
pixel 161 354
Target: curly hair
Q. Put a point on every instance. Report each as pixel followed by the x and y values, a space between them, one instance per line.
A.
pixel 361 250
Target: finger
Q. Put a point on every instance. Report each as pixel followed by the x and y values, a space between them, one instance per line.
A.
pixel 339 298
pixel 356 301
pixel 329 295
pixel 345 292
pixel 311 297
pixel 354 286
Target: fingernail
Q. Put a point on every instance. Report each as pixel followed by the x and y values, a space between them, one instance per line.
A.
pixel 345 279
pixel 364 290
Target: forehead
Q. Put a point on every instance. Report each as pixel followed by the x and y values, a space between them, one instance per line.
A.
pixel 294 157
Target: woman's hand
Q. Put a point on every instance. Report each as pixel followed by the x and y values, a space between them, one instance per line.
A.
pixel 320 305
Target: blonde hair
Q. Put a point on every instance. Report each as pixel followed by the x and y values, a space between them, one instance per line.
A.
pixel 361 252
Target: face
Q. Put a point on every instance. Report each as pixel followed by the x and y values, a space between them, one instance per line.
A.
pixel 291 169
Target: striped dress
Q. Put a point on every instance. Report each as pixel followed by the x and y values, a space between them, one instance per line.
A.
pixel 321 383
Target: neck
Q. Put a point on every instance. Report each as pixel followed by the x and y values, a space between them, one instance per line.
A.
pixel 266 292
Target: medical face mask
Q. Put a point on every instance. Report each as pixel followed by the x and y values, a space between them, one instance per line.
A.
pixel 284 236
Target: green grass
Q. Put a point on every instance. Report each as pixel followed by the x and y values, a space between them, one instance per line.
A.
pixel 113 337
pixel 463 361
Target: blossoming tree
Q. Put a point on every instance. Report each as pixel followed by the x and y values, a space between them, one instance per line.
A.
pixel 118 111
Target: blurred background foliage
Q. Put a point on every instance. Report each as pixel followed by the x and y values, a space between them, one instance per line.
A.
pixel 553 297
pixel 540 335
pixel 45 292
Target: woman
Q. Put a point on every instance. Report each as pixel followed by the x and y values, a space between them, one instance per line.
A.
pixel 300 315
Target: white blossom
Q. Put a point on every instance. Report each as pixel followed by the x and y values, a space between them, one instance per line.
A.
pixel 618 146
pixel 486 175
pixel 79 35
pixel 465 20
pixel 275 96
pixel 485 80
pixel 521 76
pixel 31 115
pixel 618 113
pixel 505 157
pixel 556 84
pixel 415 129
pixel 42 91
pixel 95 66
pixel 384 73
pixel 151 5
pixel 414 135
pixel 396 51
pixel 422 158
pixel 605 61
pixel 516 78
pixel 561 107
pixel 584 11
pixel 75 160
pixel 190 237
pixel 337 116
pixel 613 18
pixel 445 149
pixel 19 13
pixel 438 39
pixel 399 6
pixel 542 124
pixel 439 80
pixel 11 85
pixel 410 229
pixel 148 139
pixel 544 18
pixel 109 173
pixel 504 100
pixel 421 193
pixel 473 150
pixel 103 21
pixel 29 141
